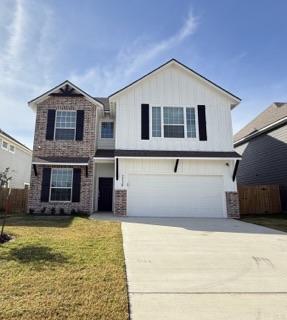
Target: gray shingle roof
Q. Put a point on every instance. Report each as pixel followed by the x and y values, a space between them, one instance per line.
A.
pixel 10 137
pixel 105 102
pixel 165 154
pixel 276 112
pixel 83 160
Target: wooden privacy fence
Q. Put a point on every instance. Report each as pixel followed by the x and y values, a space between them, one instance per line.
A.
pixel 17 202
pixel 259 199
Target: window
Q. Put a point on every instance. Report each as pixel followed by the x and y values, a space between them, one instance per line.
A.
pixel 190 123
pixel 173 121
pixel 156 121
pixel 11 148
pixel 5 145
pixel 61 184
pixel 65 127
pixel 107 130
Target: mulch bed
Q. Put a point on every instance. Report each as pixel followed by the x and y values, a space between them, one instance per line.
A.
pixel 4 238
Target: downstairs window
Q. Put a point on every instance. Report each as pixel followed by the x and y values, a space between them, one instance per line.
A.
pixel 61 184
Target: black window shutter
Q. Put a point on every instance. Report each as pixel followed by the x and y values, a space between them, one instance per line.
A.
pixel 202 122
pixel 145 121
pixel 50 124
pixel 80 125
pixel 76 185
pixel 45 191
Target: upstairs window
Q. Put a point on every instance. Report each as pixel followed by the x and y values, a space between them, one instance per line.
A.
pixel 107 130
pixel 12 148
pixel 61 184
pixel 173 122
pixel 156 121
pixel 65 127
pixel 5 145
pixel 190 123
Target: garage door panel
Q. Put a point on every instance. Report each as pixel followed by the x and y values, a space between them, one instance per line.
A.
pixel 179 196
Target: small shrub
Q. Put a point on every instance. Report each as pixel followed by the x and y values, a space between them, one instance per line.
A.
pixel 73 212
pixel 53 211
pixel 62 211
pixel 43 210
pixel 31 211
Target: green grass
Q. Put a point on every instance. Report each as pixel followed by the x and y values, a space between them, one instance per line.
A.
pixel 62 268
pixel 273 221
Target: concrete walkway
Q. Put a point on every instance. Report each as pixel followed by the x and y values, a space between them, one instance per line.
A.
pixel 204 269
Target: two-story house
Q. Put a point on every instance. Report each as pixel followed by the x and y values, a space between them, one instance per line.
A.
pixel 161 146
pixel 17 157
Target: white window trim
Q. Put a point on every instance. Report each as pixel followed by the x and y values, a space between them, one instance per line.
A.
pixel 55 127
pixel 150 121
pixel 184 124
pixel 102 121
pixel 61 201
pixel 11 145
pixel 6 149
pixel 196 123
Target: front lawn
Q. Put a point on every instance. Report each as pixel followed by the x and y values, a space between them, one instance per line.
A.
pixel 273 221
pixel 62 268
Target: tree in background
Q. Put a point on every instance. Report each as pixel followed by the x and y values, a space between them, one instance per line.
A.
pixel 5 177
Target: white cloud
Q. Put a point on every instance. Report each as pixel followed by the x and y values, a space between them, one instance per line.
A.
pixel 104 79
pixel 28 61
pixel 26 56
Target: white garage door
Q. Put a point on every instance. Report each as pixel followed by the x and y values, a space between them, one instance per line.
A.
pixel 175 196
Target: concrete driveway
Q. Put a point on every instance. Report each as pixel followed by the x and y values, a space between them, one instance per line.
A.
pixel 204 269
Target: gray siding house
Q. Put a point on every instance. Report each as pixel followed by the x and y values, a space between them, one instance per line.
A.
pixel 263 146
pixel 17 157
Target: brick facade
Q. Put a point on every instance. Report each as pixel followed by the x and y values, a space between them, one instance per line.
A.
pixel 120 203
pixel 68 148
pixel 232 205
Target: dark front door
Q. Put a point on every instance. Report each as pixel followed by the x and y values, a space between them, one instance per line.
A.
pixel 105 196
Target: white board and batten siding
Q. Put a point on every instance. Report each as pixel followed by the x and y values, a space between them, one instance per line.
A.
pixel 173 86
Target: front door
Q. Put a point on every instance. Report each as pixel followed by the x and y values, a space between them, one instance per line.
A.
pixel 105 195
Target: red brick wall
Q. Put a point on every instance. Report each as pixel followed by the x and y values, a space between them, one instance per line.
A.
pixel 120 202
pixel 46 148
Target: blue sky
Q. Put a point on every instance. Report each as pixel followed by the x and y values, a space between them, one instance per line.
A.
pixel 103 45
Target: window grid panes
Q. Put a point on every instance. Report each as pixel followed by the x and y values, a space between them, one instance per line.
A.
pixel 61 184
pixel 11 148
pixel 5 145
pixel 65 125
pixel 156 121
pixel 190 123
pixel 173 118
pixel 107 130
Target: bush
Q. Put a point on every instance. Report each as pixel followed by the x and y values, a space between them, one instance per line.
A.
pixel 53 211
pixel 31 211
pixel 62 211
pixel 43 210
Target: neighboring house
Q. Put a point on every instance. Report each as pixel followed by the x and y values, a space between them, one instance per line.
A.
pixel 263 146
pixel 17 157
pixel 161 146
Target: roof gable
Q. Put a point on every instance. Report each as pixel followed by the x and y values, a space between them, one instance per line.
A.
pixel 274 113
pixel 171 62
pixel 65 88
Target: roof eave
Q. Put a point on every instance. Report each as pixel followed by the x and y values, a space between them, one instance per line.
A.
pixel 33 103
